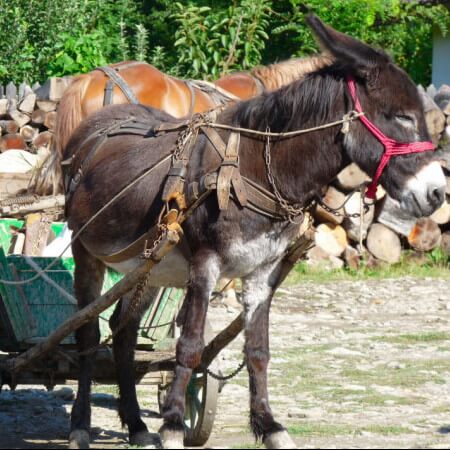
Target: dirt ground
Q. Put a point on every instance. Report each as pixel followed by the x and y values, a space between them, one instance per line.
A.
pixel 355 364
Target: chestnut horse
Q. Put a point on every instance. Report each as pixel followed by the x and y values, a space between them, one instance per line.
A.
pixel 149 86
pixel 235 241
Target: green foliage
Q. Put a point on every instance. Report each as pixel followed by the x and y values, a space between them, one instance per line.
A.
pixel 403 29
pixel 214 42
pixel 201 38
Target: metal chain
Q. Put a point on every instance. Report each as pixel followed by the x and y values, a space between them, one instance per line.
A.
pixel 294 212
pixel 336 211
pixel 227 377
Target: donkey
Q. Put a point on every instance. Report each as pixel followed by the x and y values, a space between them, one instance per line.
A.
pixel 237 241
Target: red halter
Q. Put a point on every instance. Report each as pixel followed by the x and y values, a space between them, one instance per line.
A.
pixel 392 147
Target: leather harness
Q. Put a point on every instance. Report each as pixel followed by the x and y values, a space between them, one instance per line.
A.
pixel 226 180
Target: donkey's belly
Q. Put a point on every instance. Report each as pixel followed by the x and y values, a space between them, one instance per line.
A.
pixel 172 271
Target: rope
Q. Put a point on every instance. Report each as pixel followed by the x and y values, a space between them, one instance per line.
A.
pixel 347 118
pixel 100 211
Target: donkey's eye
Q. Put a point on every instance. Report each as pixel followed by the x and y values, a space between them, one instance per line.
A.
pixel 405 119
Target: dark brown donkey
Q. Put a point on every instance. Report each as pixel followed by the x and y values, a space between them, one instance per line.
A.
pixel 241 240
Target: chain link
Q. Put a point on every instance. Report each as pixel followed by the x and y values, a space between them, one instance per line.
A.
pixel 226 377
pixel 294 212
pixel 336 211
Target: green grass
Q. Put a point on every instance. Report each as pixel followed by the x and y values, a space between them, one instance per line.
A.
pixel 415 373
pixel 435 265
pixel 414 338
pixel 328 430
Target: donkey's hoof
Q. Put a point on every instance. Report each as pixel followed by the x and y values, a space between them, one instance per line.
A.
pixel 172 438
pixel 79 439
pixel 144 439
pixel 279 439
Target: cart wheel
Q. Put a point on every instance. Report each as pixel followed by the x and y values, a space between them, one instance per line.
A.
pixel 201 405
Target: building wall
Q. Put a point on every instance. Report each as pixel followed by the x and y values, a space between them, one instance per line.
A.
pixel 441 59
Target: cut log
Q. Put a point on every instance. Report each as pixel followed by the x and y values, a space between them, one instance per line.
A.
pixel 442 215
pixel 3 106
pixel 442 99
pixel 42 139
pixel 331 238
pixel 352 224
pixel 351 258
pixel 29 133
pixel 320 259
pixel 431 90
pixel 384 244
pixel 445 242
pixel 434 117
pixel 27 104
pixel 351 177
pixel 13 184
pixel 12 142
pixel 425 235
pixel 20 118
pixel 53 88
pixel 38 117
pixel 38 229
pixel 443 155
pixel 9 126
pixel 394 217
pixel 333 198
pixel 11 91
pixel 47 105
pixel 50 120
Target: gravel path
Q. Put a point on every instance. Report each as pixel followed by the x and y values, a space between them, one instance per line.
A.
pixel 355 364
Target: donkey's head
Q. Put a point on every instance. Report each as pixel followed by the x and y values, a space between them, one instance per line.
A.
pixel 391 102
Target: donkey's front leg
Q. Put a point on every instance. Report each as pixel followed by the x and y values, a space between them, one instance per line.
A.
pixel 88 282
pixel 204 273
pixel 258 289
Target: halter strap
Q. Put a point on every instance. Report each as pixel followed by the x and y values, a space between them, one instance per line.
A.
pixel 391 146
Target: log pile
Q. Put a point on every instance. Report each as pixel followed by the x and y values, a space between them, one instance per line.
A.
pixel 28 116
pixel 386 229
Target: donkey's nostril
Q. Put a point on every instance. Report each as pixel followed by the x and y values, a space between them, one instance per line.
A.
pixel 436 196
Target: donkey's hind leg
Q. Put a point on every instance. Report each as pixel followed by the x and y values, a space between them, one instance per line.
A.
pixel 204 273
pixel 258 289
pixel 89 273
pixel 126 322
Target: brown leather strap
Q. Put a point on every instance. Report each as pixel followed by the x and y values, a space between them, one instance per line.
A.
pixel 120 82
pixel 136 248
pixel 215 139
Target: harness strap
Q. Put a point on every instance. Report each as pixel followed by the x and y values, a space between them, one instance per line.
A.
pixel 193 97
pixel 392 147
pixel 118 81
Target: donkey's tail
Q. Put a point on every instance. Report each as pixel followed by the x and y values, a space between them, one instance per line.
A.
pixel 48 178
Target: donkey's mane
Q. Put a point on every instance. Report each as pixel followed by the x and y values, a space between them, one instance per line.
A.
pixel 280 74
pixel 304 102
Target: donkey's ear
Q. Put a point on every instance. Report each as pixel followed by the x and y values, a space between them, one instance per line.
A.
pixel 346 49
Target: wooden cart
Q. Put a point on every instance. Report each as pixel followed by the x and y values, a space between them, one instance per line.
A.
pixel 30 312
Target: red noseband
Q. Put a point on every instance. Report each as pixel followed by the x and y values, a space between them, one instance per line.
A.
pixel 391 146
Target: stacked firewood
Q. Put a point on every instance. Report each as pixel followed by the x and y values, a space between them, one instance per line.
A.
pixel 28 114
pixel 386 229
